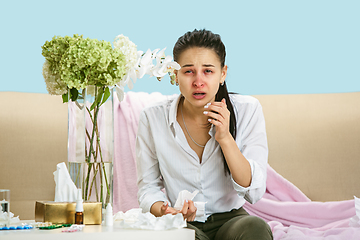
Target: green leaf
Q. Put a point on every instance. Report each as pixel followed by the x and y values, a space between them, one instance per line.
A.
pixel 98 98
pixel 74 94
pixel 65 97
pixel 106 95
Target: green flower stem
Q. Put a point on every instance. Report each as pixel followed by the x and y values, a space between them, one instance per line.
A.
pixel 91 151
pixel 104 170
pixel 96 168
pixel 101 186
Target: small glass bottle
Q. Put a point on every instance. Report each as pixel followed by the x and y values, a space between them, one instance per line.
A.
pixel 109 215
pixel 79 215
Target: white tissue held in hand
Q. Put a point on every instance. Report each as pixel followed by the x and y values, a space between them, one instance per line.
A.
pixel 65 189
pixel 182 196
pixel 355 221
pixel 136 219
pixel 186 195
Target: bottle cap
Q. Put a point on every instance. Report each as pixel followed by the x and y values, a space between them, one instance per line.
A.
pixel 79 202
pixel 109 209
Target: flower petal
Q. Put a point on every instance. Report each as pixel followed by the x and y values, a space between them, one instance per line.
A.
pixel 120 93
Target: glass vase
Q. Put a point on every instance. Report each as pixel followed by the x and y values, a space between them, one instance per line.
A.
pixel 91 143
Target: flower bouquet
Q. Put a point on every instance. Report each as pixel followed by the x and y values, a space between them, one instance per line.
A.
pixel 87 72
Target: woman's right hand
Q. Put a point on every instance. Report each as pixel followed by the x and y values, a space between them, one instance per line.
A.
pixel 159 209
pixel 162 208
pixel 165 209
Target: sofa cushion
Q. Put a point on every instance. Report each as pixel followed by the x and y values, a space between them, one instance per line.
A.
pixel 33 139
pixel 314 142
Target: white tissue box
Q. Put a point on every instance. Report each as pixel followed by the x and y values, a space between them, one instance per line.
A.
pixel 64 212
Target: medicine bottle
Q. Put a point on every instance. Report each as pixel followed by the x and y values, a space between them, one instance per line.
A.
pixel 79 215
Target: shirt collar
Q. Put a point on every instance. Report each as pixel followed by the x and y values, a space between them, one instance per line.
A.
pixel 173 110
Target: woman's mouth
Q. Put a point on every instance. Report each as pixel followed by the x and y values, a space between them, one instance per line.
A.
pixel 199 95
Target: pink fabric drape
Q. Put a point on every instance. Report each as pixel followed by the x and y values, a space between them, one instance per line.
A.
pixel 126 118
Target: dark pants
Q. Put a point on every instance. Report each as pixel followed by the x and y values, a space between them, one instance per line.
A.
pixel 234 225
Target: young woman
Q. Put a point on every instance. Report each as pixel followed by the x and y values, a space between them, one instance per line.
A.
pixel 205 140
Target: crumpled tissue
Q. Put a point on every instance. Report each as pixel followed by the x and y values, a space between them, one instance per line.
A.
pixel 186 195
pixel 136 219
pixel 65 189
pixel 4 216
pixel 355 221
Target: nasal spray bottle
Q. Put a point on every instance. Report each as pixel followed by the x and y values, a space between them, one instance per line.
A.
pixel 79 215
pixel 109 215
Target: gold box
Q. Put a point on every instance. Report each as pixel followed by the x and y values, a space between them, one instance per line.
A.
pixel 64 212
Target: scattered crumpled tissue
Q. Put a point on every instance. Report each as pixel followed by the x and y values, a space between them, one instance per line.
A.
pixel 355 221
pixel 136 219
pixel 4 216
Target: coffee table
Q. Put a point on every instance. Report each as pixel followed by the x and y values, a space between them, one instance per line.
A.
pixel 97 232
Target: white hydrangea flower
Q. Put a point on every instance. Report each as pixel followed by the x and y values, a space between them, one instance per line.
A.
pixel 128 48
pixel 54 85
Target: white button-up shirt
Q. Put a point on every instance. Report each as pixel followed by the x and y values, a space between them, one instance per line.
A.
pixel 165 159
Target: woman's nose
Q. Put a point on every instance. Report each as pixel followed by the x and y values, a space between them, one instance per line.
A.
pixel 198 81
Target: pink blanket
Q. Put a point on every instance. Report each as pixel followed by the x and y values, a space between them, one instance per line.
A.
pixel 290 214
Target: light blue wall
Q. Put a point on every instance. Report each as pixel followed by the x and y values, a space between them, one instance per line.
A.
pixel 273 46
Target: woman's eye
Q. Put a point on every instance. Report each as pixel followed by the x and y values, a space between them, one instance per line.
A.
pixel 188 71
pixel 208 71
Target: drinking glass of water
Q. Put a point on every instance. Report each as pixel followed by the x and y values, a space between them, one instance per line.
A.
pixel 4 207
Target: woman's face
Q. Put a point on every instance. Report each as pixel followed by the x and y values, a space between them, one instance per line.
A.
pixel 200 75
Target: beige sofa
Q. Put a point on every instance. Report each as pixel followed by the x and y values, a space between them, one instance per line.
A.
pixel 314 142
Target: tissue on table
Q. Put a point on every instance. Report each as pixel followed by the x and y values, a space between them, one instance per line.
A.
pixel 136 219
pixel 186 195
pixel 4 216
pixel 355 221
pixel 65 189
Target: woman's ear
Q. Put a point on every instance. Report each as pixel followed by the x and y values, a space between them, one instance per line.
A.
pixel 223 74
pixel 176 77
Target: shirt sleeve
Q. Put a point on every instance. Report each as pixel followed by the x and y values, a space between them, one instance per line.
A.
pixel 150 183
pixel 253 145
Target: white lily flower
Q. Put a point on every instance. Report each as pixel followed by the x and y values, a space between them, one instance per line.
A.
pixel 154 52
pixel 146 63
pixel 120 92
pixel 128 81
pixel 147 58
pixel 159 57
pixel 166 66
pixel 160 54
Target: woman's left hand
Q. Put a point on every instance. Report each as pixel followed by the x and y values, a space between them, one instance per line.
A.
pixel 189 211
pixel 219 115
